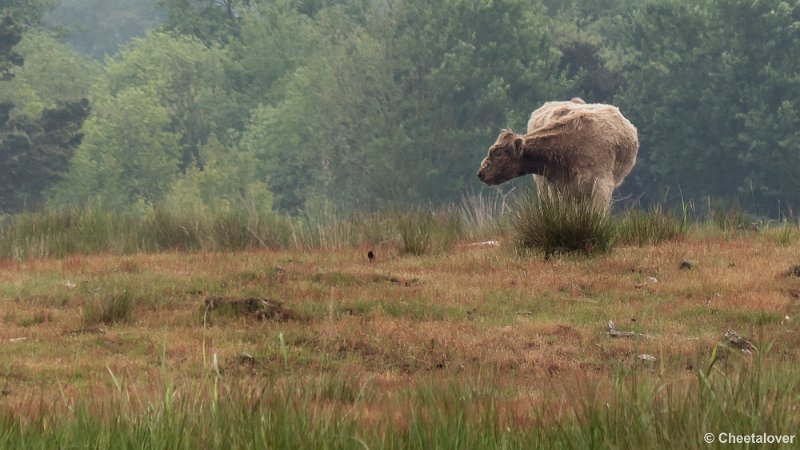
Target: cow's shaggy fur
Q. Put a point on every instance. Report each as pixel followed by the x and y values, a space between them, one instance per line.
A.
pixel 574 146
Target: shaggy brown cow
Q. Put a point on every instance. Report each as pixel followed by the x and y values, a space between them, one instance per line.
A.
pixel 574 146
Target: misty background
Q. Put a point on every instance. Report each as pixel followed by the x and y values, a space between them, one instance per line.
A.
pixel 343 105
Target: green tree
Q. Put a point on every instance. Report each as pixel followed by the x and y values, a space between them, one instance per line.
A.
pixel 28 12
pixel 275 40
pixel 100 27
pixel 675 97
pixel 464 69
pixel 128 156
pixel 590 37
pixel 35 153
pixel 327 141
pixel 211 21
pixel 761 56
pixel 588 12
pixel 52 72
pixel 400 109
pixel 186 78
pixel 228 181
pixel 10 35
pixel 159 103
pixel 37 137
pixel 712 88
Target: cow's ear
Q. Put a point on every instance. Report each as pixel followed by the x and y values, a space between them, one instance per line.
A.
pixel 519 145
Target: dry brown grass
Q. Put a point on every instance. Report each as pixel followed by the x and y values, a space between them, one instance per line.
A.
pixel 537 327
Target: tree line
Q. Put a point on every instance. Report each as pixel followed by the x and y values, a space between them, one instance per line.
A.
pixel 309 105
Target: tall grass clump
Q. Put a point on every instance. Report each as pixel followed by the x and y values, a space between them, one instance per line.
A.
pixel 560 222
pixel 785 234
pixel 167 230
pixel 638 227
pixel 631 410
pixel 484 214
pixel 57 232
pixel 415 229
pixel 422 230
pixel 726 216
pixel 234 231
pixel 448 228
pixel 241 229
pixel 273 230
pixel 647 412
pixel 109 306
pixel 328 229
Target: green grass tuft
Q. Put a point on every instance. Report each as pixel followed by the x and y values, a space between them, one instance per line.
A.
pixel 172 231
pixel 727 217
pixel 637 227
pixel 637 410
pixel 554 223
pixel 557 222
pixel 109 306
pixel 422 230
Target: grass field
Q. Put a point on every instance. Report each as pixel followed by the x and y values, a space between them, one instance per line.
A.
pixel 464 346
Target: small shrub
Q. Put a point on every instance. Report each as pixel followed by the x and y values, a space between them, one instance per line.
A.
pixel 109 307
pixel 642 228
pixel 558 222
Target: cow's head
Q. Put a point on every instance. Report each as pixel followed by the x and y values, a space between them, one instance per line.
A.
pixel 504 160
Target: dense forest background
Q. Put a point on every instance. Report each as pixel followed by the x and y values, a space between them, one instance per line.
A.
pixel 342 105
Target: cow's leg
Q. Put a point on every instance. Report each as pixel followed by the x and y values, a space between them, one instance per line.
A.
pixel 602 192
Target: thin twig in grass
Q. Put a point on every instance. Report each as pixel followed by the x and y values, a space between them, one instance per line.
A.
pixel 613 332
pixel 205 326
pixel 260 241
pixel 64 397
pixel 581 300
pixel 284 350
